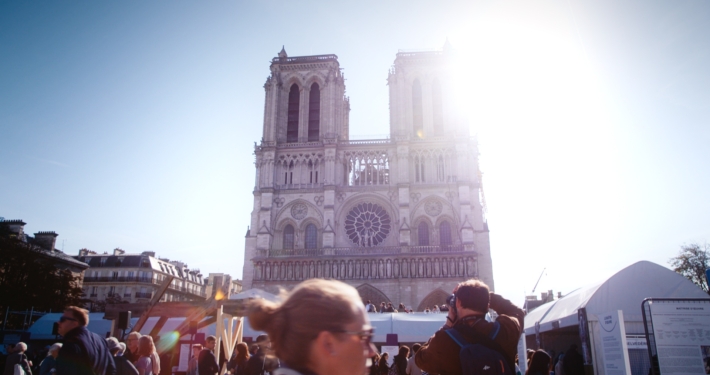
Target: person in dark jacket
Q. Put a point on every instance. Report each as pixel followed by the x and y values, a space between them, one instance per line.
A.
pixel 49 363
pixel 18 357
pixel 384 367
pixel 469 304
pixel 238 364
pixel 260 363
pixel 83 352
pixel 123 365
pixel 400 360
pixel 207 362
pixel 539 363
pixel 573 363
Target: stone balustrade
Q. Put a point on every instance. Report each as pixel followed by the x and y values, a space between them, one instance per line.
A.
pixel 394 262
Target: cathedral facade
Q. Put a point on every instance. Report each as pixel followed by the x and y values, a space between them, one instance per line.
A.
pixel 400 219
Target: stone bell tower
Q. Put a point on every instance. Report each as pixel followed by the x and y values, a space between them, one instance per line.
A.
pixel 400 219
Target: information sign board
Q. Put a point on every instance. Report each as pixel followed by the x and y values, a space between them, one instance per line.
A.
pixel 614 346
pixel 681 331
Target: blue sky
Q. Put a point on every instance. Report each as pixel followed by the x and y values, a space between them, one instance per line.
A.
pixel 131 124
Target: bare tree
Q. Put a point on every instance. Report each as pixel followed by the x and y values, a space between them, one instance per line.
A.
pixel 691 262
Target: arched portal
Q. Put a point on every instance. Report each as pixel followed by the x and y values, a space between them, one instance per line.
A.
pixel 437 297
pixel 369 292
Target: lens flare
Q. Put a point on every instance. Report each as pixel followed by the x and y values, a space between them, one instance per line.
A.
pixel 168 341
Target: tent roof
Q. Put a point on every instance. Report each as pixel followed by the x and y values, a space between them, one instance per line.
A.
pixel 255 293
pixel 625 291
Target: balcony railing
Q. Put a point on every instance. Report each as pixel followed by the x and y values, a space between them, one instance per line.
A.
pixel 143 295
pixel 126 279
pixel 357 251
pixel 118 279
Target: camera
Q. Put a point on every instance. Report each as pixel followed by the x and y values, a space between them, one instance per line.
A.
pixel 451 301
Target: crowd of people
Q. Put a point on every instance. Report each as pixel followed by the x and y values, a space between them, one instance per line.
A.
pixel 389 308
pixel 320 328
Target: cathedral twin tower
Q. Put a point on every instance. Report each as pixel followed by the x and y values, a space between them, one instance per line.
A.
pixel 400 219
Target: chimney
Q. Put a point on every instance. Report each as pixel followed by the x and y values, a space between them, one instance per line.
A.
pixel 118 251
pixel 551 295
pixel 83 252
pixel 543 296
pixel 46 240
pixel 16 226
pixel 559 295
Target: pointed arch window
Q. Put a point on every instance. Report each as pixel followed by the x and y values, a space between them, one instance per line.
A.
pixel 423 234
pixel 444 233
pixel 311 237
pixel 294 97
pixel 314 113
pixel 417 116
pixel 437 107
pixel 288 237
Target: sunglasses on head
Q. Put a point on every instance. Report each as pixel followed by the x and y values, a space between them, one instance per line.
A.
pixel 65 318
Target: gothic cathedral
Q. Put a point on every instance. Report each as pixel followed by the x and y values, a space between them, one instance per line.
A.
pixel 400 219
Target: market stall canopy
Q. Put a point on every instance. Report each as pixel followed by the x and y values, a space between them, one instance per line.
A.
pixel 625 291
pixel 255 293
pixel 42 328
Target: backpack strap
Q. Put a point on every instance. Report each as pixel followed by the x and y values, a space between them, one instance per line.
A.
pixel 487 341
pixel 457 337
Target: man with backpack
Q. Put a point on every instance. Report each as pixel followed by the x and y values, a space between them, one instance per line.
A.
pixel 467 343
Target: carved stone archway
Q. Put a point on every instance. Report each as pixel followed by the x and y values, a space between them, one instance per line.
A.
pixel 437 297
pixel 369 292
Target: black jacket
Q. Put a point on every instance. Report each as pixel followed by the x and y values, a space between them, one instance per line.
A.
pixel 15 359
pixel 124 366
pixel 207 363
pixel 84 353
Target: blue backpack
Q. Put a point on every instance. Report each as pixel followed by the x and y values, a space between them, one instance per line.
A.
pixel 485 356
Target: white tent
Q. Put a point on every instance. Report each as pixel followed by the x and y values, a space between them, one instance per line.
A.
pixel 42 328
pixel 255 293
pixel 624 291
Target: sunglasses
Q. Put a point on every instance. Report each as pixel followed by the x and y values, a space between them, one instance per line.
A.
pixel 365 336
pixel 65 318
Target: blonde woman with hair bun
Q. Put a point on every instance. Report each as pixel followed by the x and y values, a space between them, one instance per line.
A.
pixel 320 328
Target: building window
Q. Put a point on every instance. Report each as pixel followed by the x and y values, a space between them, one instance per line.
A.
pixel 292 124
pixel 288 237
pixel 444 233
pixel 419 168
pixel 423 234
pixel 417 117
pixel 314 113
pixel 311 237
pixel 103 261
pixel 440 169
pixel 437 108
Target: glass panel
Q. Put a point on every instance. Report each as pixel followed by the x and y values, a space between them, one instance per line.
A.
pixel 417 109
pixel 288 237
pixel 423 234
pixel 293 103
pixel 444 234
pixel 311 237
pixel 314 113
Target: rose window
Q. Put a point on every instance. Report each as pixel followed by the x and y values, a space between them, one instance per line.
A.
pixel 367 224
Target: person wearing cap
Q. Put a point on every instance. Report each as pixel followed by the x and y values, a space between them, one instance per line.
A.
pixel 49 363
pixel 123 365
